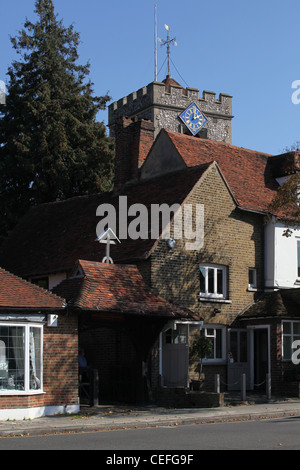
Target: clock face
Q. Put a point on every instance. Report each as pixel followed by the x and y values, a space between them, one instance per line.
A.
pixel 193 118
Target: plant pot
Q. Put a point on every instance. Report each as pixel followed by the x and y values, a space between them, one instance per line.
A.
pixel 196 385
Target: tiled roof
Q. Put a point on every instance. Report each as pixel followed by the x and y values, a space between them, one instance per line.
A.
pixel 115 288
pixel 52 237
pixel 18 293
pixel 281 303
pixel 246 171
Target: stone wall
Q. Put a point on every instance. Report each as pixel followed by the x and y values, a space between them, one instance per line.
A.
pixel 163 107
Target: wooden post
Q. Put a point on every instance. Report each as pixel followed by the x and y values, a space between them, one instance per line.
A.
pixel 95 388
pixel 268 386
pixel 217 383
pixel 243 387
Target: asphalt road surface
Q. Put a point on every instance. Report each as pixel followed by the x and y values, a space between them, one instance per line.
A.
pixel 265 434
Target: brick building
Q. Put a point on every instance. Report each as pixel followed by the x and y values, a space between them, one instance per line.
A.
pixel 218 272
pixel 38 351
pixel 119 320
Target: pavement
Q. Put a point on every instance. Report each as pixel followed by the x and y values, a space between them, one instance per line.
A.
pixel 115 417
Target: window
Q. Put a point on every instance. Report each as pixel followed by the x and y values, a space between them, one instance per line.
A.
pixel 217 336
pixel 238 345
pixel 290 333
pixel 178 335
pixel 212 281
pixel 20 358
pixel 252 284
pixel 41 282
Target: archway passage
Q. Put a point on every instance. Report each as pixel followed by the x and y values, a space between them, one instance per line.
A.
pixel 119 348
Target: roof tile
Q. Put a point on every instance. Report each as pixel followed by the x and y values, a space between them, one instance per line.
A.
pixel 246 171
pixel 116 288
pixel 18 293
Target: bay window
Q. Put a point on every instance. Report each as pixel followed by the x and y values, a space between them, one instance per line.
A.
pixel 20 358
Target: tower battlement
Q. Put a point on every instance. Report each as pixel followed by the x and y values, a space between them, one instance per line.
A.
pixel 162 102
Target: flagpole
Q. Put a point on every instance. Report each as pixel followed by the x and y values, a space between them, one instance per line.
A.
pixel 155 45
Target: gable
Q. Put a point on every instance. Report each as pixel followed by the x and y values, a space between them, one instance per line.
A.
pixel 163 158
pixel 246 171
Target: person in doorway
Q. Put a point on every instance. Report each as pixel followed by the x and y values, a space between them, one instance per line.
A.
pixel 82 362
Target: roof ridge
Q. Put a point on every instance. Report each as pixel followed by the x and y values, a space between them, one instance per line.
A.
pixel 216 142
pixel 178 171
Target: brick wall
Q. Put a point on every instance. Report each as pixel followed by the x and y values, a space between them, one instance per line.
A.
pixel 231 237
pixel 61 362
pixel 134 139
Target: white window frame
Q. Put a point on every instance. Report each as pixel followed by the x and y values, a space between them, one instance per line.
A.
pixel 213 335
pixel 292 335
pixel 215 294
pixel 27 390
pixel 239 341
pixel 252 286
pixel 298 258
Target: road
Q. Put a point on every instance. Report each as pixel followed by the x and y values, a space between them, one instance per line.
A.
pixel 265 434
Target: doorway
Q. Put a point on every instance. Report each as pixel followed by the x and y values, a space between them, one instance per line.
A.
pixel 175 356
pixel 238 363
pixel 259 356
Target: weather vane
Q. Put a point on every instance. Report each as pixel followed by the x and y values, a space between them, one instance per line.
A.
pixel 167 43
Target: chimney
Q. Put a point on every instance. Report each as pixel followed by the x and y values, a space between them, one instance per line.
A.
pixel 133 138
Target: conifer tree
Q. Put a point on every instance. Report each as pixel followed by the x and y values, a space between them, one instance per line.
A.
pixel 51 145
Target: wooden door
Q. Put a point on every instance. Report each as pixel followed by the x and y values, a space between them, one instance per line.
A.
pixel 237 359
pixel 175 357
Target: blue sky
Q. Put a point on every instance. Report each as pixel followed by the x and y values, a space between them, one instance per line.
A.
pixel 248 49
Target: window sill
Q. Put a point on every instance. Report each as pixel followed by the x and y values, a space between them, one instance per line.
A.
pixel 252 289
pixel 21 392
pixel 214 362
pixel 215 300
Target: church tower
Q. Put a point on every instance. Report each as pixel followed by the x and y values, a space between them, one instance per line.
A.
pixel 166 103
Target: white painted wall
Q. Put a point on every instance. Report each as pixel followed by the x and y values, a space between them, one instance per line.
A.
pixel 281 262
pixel 32 413
pixel 55 279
